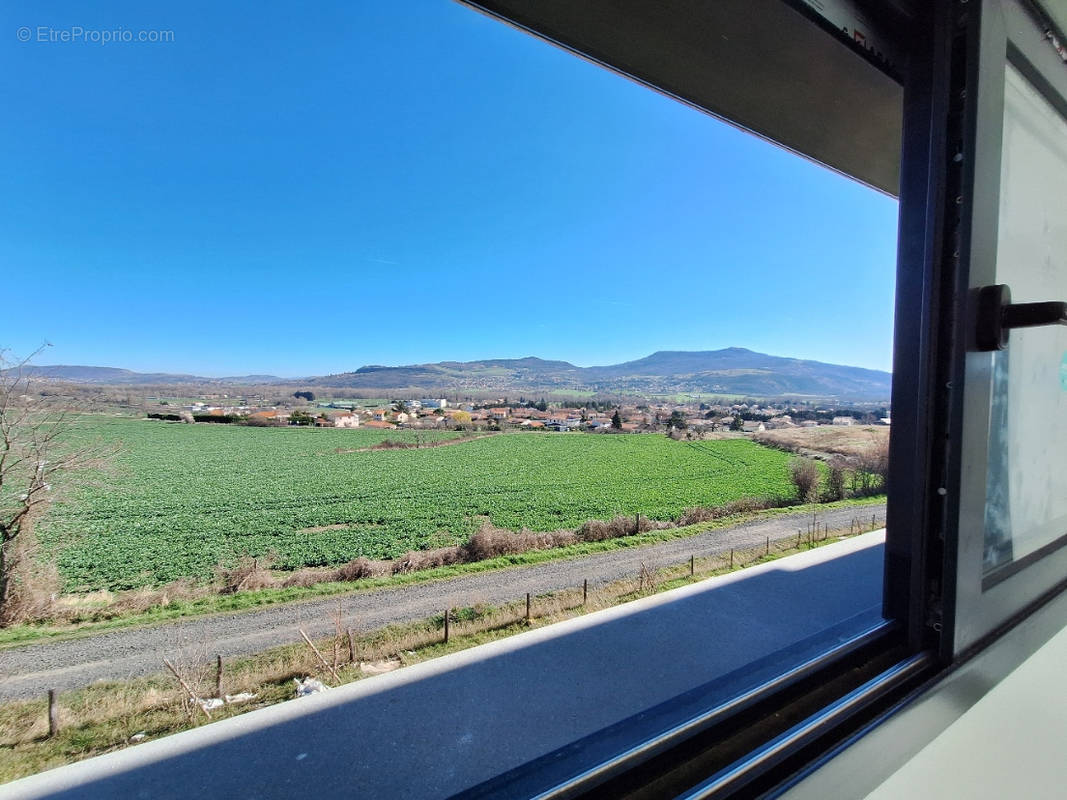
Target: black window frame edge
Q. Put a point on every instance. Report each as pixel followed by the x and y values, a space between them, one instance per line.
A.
pixel 965 114
pixel 940 43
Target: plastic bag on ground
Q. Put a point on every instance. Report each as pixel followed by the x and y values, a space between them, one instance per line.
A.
pixel 309 686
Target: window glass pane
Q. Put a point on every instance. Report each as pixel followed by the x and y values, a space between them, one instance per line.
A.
pixel 517 342
pixel 1027 484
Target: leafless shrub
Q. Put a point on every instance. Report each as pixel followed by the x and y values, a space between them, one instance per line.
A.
pixel 596 530
pixel 771 439
pixel 263 422
pixel 248 573
pixel 872 467
pixel 743 505
pixel 647 579
pixel 298 578
pixel 696 514
pixel 805 477
pixel 835 479
pixel 415 560
pixel 355 569
pixel 394 444
pixel 492 542
pixel 746 505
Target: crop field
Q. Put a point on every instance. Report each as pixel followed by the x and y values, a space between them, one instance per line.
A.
pixel 182 499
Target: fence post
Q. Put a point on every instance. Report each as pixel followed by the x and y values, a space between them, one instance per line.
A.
pixel 448 613
pixel 527 608
pixel 218 676
pixel 692 566
pixel 731 558
pixel 585 591
pixel 873 523
pixel 53 714
pixel 768 546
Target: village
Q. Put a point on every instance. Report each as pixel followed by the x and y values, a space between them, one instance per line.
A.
pixel 693 420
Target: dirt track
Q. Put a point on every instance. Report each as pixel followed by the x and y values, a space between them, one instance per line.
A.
pixel 33 669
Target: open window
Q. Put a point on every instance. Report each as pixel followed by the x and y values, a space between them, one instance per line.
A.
pixel 957 109
pixel 976 516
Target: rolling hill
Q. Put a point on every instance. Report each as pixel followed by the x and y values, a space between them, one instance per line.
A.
pixel 732 371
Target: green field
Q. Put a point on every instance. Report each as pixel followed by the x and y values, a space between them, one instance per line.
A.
pixel 184 498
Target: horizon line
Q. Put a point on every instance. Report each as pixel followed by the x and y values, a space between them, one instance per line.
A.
pixel 222 376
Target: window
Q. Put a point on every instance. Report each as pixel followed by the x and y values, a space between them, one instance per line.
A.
pixel 974 520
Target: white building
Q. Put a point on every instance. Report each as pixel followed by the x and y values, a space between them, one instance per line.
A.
pixel 432 403
pixel 346 421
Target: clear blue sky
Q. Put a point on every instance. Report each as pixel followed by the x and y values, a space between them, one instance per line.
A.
pixel 299 189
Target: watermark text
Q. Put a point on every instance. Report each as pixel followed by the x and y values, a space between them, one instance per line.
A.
pixel 76 34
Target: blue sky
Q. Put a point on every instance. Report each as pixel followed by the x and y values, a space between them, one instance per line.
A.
pixel 300 189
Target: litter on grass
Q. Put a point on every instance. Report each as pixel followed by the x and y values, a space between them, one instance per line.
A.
pixel 309 686
pixel 211 703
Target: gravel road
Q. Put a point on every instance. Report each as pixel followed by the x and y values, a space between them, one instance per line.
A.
pixel 30 670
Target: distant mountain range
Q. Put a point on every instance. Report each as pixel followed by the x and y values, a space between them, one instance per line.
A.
pixel 732 371
pixel 113 376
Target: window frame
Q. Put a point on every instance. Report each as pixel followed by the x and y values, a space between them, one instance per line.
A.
pixel 945 213
pixel 1002 35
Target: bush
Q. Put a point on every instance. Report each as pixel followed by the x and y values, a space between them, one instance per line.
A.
pixel 492 542
pixel 415 560
pixel 355 569
pixel 249 573
pixel 744 505
pixel 394 444
pixel 596 530
pixel 805 477
pixel 263 422
pixel 308 576
pixel 872 468
pixel 777 443
pixel 835 480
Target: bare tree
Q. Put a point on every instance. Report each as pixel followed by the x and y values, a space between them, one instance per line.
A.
pixel 805 477
pixel 835 478
pixel 36 458
pixel 872 467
